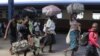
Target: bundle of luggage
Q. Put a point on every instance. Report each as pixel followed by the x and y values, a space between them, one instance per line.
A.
pixel 75 8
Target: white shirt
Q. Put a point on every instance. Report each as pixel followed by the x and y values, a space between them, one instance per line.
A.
pixel 37 41
pixel 44 28
pixel 37 24
pixel 51 25
pixel 20 26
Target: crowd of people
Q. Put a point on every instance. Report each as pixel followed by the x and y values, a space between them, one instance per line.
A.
pixel 27 27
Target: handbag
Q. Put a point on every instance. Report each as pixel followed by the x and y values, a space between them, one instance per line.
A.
pixel 20 46
pixel 68 38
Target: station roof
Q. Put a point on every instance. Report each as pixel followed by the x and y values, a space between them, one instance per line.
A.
pixel 89 4
pixel 38 2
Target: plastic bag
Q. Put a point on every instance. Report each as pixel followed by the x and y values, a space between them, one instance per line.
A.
pixel 75 8
pixel 51 10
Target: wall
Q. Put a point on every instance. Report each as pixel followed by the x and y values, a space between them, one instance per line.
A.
pixel 87 14
pixel 62 25
pixel 65 15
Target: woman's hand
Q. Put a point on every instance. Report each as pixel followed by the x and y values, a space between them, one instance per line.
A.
pixel 5 37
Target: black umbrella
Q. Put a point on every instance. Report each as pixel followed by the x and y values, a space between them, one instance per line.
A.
pixel 31 12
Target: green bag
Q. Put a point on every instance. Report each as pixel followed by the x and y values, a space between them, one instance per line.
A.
pixel 84 39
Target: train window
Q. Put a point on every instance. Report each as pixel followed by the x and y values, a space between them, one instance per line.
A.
pixel 59 16
pixel 96 16
pixel 80 16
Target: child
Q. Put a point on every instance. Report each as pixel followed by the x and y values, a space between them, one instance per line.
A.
pixel 35 44
pixel 92 41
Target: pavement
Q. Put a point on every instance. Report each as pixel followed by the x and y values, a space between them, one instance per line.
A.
pixel 58 48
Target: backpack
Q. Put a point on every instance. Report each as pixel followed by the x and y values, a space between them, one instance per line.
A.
pixel 84 39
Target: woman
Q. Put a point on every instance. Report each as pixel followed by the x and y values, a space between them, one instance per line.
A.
pixel 23 31
pixel 92 41
pixel 49 29
pixel 74 34
pixel 12 25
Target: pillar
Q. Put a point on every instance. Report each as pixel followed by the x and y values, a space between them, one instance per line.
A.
pixel 10 9
pixel 65 15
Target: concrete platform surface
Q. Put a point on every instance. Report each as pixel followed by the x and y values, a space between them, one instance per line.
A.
pixel 58 48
